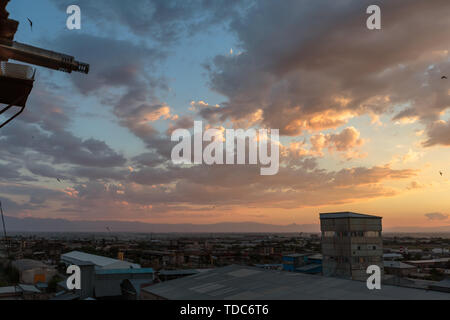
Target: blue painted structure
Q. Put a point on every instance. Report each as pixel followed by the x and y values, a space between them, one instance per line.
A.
pixel 304 263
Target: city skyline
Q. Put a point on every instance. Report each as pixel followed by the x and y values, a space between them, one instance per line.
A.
pixel 363 114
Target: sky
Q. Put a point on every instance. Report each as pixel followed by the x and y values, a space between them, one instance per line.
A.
pixel 363 114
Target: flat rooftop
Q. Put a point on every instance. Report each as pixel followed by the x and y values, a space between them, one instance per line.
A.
pixel 99 261
pixel 346 214
pixel 27 264
pixel 249 283
pixel 125 271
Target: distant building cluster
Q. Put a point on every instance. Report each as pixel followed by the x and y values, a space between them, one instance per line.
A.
pixel 331 265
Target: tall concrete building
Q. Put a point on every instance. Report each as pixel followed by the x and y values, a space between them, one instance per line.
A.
pixel 351 242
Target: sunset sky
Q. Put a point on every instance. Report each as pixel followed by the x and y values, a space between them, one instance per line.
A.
pixel 364 115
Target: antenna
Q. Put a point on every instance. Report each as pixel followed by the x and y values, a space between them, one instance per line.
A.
pixel 4 229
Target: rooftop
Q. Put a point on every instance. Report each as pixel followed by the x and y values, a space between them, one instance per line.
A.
pixel 181 272
pixel 442 284
pixel 398 265
pixel 308 267
pixel 296 255
pixel 20 288
pixel 10 290
pixel 346 214
pixel 99 261
pixel 27 264
pixel 125 271
pixel 440 260
pixel 242 282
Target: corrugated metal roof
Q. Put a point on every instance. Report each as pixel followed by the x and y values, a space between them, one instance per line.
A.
pixel 398 264
pixel 10 290
pixel 336 215
pixel 296 255
pixel 27 264
pixel 29 288
pixel 125 271
pixel 66 296
pixel 429 261
pixel 181 272
pixel 317 256
pixel 308 267
pixel 108 288
pixel 443 284
pixel 137 283
pixel 392 255
pixel 99 261
pixel 239 282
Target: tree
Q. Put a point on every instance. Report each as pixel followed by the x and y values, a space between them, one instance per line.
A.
pixel 53 283
pixel 12 274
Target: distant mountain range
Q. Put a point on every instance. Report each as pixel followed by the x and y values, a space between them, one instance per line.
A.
pixel 443 229
pixel 62 225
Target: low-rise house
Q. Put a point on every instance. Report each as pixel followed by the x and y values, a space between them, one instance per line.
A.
pixel 399 268
pixel 33 271
pixel 21 292
pixel 100 262
pixel 443 286
pixel 131 288
pixel 108 282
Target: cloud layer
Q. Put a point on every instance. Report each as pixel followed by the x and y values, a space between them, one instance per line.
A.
pixel 309 68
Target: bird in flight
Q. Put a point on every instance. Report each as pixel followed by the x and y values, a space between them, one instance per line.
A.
pixel 444 78
pixel 31 23
pixel 59 180
pixel 441 173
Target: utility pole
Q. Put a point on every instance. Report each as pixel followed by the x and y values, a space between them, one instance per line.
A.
pixel 4 229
